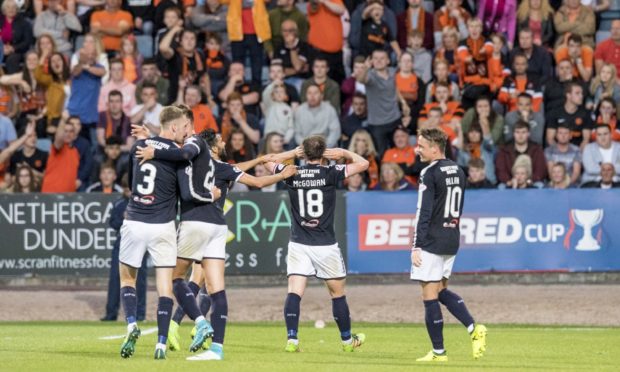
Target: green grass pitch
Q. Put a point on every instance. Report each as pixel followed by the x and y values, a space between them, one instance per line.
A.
pixel 62 346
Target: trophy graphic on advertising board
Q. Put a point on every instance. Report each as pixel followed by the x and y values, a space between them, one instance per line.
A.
pixel 587 219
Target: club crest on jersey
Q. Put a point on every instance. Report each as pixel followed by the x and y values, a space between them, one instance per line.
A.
pixel 147 200
pixel 312 223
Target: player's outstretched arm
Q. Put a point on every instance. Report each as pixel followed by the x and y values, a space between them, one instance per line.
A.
pixel 260 182
pixel 358 163
pixel 189 151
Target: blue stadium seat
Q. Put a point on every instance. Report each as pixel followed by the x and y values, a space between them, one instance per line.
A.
pixel 44 144
pixel 602 36
pixel 607 17
pixel 145 45
pixel 614 5
pixel 429 6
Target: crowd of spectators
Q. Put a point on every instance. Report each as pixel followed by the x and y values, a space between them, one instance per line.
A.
pixel 527 91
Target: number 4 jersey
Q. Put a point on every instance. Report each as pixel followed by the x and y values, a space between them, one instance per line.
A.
pixel 153 185
pixel 313 200
pixel 440 204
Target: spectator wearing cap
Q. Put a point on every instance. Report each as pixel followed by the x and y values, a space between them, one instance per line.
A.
pixel 330 91
pixel 572 114
pixel 574 18
pixel 112 23
pixel 539 62
pixel 507 155
pixel 608 51
pixel 315 116
pixel 603 150
pixel 607 177
pixel 57 22
pixel 383 98
pixel 524 112
pixel 415 19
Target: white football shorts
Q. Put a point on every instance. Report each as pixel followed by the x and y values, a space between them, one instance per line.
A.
pixel 159 239
pixel 434 267
pixel 198 240
pixel 323 261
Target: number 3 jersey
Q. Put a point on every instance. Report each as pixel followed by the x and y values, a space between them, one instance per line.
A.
pixel 440 204
pixel 153 185
pixel 313 200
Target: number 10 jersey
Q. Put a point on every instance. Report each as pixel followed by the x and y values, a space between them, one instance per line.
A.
pixel 313 201
pixel 153 185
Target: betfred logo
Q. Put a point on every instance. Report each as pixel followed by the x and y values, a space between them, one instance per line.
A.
pixel 386 232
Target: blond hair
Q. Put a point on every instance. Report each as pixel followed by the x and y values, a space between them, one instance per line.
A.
pixel 523 161
pixel 170 114
pixel 394 167
pixel 597 82
pixel 363 135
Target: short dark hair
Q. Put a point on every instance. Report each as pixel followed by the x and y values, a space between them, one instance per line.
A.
pixel 320 58
pixel 210 136
pixel 210 35
pixel 570 86
pixel 147 84
pixel 521 124
pixel 107 165
pixel 525 95
pixel 113 140
pixel 116 60
pixel 314 147
pixel 359 95
pixel 435 137
pixel 359 59
pixel 577 39
pixel 115 93
pixel 149 61
pixel 602 125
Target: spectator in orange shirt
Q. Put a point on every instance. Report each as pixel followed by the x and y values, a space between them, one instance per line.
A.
pixel 403 153
pixel 361 144
pixel 441 74
pixel 452 112
pixel 112 23
pixel 411 88
pixel 203 116
pixel 451 15
pixel 581 56
pixel 61 172
pixel 325 34
pixel 519 82
pixel 473 56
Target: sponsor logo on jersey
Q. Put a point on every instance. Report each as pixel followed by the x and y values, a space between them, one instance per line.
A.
pixel 311 223
pixel 147 199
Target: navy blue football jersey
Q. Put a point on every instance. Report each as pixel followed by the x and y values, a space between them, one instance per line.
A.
pixel 153 185
pixel 313 201
pixel 440 205
pixel 191 210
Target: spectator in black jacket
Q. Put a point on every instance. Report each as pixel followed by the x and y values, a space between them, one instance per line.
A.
pixel 476 178
pixel 20 40
pixel 539 60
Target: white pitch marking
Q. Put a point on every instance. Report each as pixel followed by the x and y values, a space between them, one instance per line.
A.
pixel 147 331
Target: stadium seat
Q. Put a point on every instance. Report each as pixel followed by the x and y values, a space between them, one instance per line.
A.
pixel 44 144
pixel 602 36
pixel 78 42
pixel 606 18
pixel 429 6
pixel 614 5
pixel 145 45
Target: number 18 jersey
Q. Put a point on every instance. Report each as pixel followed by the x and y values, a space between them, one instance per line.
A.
pixel 153 185
pixel 313 200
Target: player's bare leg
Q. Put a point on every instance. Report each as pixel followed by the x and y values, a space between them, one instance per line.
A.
pixel 456 306
pixel 340 311
pixel 213 270
pixel 129 301
pixel 292 309
pixel 187 301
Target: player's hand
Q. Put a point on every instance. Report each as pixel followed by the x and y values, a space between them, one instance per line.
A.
pixel 299 152
pixel 217 193
pixel 416 257
pixel 269 158
pixel 139 131
pixel 145 153
pixel 289 171
pixel 334 154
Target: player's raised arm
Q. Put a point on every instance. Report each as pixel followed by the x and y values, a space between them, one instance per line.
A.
pixel 272 160
pixel 358 163
pixel 260 182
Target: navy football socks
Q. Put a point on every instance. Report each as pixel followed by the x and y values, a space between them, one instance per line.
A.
pixel 185 298
pixel 434 324
pixel 219 316
pixel 340 311
pixel 130 303
pixel 179 314
pixel 291 314
pixel 164 312
pixel 456 306
pixel 204 300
